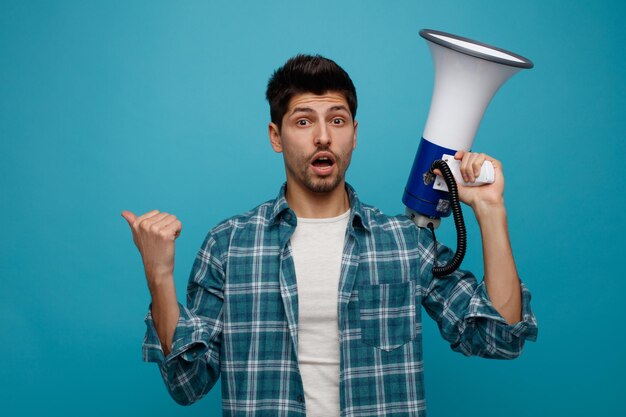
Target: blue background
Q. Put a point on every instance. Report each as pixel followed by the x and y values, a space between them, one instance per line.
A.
pixel 106 106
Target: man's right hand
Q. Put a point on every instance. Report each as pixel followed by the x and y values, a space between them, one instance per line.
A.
pixel 154 234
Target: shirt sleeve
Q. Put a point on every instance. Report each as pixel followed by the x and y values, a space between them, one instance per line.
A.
pixel 192 367
pixel 464 313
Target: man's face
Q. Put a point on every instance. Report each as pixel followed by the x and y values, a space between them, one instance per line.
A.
pixel 316 139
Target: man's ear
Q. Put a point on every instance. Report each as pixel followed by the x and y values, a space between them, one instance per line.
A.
pixel 274 134
pixel 356 125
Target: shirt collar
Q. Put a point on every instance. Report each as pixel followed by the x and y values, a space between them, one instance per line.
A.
pixel 281 210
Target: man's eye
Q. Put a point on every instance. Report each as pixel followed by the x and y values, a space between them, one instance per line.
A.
pixel 302 122
pixel 337 121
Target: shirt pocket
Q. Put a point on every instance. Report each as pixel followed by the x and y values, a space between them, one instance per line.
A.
pixel 387 314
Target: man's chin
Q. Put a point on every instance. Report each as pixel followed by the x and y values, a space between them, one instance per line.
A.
pixel 322 185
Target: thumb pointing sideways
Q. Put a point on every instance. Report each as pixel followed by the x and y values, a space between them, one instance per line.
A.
pixel 130 217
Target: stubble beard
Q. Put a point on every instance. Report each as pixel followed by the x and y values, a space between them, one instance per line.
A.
pixel 318 184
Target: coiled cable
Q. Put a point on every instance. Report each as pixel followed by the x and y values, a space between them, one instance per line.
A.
pixel 461 243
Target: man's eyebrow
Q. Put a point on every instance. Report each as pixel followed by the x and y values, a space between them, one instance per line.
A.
pixel 339 107
pixel 310 110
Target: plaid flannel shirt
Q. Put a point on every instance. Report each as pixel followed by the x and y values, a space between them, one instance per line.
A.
pixel 241 319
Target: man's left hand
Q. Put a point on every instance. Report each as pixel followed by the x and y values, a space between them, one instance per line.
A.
pixel 488 194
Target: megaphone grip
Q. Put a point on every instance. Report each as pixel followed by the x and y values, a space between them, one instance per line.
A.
pixel 487 174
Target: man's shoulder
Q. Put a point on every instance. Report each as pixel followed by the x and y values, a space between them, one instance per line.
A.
pixel 380 221
pixel 259 216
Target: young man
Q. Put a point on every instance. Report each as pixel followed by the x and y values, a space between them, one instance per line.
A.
pixel 310 303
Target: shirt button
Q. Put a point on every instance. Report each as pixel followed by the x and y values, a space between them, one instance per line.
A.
pixel 300 399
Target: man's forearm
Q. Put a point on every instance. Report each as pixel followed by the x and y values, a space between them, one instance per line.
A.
pixel 501 276
pixel 154 234
pixel 165 311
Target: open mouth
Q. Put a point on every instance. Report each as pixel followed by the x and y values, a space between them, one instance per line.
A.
pixel 323 163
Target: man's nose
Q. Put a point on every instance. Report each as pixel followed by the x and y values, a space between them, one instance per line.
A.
pixel 322 135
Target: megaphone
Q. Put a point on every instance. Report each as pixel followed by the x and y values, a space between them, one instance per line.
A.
pixel 467 76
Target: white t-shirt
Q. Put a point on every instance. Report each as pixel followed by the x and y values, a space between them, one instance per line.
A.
pixel 317 246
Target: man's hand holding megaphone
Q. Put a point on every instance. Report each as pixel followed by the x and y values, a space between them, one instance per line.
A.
pixel 487 195
pixel 487 202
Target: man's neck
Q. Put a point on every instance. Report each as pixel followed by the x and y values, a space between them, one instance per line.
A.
pixel 312 205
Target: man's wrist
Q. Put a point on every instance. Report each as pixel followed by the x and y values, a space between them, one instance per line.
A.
pixel 485 211
pixel 160 281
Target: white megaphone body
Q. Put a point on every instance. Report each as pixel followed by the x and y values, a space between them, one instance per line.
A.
pixel 467 76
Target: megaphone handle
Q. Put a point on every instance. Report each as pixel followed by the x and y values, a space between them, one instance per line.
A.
pixel 487 174
pixel 457 214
